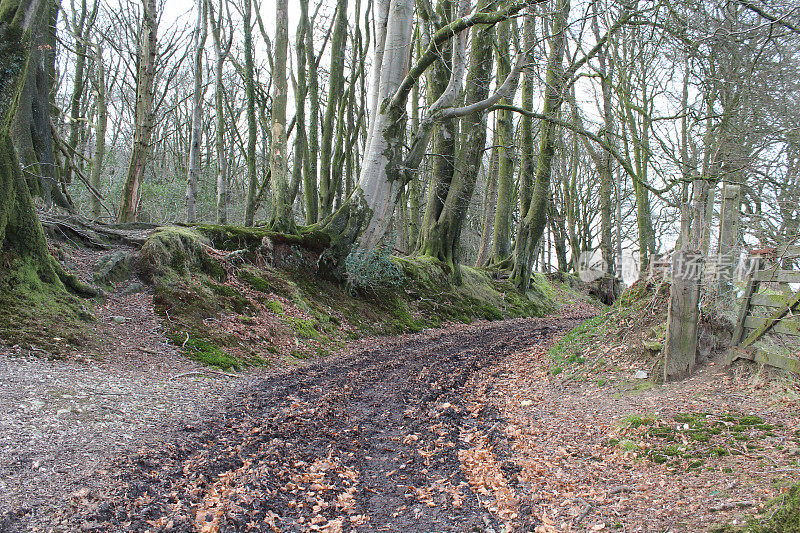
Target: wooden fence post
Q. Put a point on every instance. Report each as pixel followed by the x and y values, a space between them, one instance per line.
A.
pixel 728 239
pixel 684 314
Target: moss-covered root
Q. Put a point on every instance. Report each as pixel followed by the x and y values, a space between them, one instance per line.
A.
pixel 783 516
pixel 174 252
pixel 72 282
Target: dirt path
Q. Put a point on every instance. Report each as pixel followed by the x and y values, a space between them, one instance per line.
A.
pixel 367 442
pixel 458 429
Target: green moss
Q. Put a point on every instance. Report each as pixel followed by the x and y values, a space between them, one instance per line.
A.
pixel 719 451
pixel 300 354
pixel 188 294
pixel 232 238
pixel 256 282
pixel 699 436
pixel 782 515
pixel 568 348
pixel 635 421
pixel 274 306
pixel 662 432
pixel 693 419
pixel 323 352
pixel 209 354
pixel 303 328
pixel 39 313
pixel 751 420
pixel 174 252
pixel 658 458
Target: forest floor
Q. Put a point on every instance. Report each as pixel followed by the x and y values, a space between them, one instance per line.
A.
pixel 463 428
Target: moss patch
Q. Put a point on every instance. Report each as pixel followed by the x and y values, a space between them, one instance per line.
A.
pixel 206 276
pixel 689 438
pixel 782 515
pixel 36 313
pixel 209 354
pixel 174 252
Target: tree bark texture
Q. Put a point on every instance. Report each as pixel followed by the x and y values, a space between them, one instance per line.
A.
pixel 144 113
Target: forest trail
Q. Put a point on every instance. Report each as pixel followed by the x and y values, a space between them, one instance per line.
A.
pixel 369 439
pixel 456 429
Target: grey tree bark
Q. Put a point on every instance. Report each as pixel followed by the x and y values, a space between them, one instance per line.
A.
pixel 196 140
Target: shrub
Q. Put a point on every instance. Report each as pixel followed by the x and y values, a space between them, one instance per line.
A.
pixel 373 269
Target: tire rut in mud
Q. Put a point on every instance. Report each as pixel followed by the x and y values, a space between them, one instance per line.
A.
pixel 368 442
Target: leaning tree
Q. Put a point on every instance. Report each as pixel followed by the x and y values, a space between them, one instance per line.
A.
pixel 388 164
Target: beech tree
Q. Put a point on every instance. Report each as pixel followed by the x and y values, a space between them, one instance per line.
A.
pixel 201 33
pixel 386 168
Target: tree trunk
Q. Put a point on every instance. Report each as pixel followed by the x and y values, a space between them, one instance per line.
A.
pixel 441 238
pixel 310 187
pixel 488 208
pixel 26 258
pixel 327 189
pixel 728 251
pixel 100 132
pixel 535 217
pixel 365 217
pixel 83 22
pixel 444 144
pixel 527 163
pixel 196 140
pixel 282 219
pixel 252 128
pixel 143 117
pixel 501 239
pixel 31 130
pixel 603 160
pixel 220 53
pixel 683 316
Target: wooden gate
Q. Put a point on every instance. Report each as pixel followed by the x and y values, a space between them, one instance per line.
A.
pixel 770 304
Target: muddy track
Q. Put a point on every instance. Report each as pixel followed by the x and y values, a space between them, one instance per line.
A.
pixel 367 442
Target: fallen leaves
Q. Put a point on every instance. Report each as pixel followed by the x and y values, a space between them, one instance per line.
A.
pixel 485 476
pixel 571 479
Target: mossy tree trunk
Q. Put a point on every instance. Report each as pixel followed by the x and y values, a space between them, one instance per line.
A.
pixel 281 219
pixel 23 247
pixel 327 183
pixel 387 167
pixel 444 141
pixel 535 215
pixel 310 187
pixel 527 161
pixel 603 160
pixel 30 129
pixel 82 23
pixel 196 139
pixel 221 52
pixel 101 125
pixel 299 165
pixel 252 128
pixel 441 237
pixel 501 239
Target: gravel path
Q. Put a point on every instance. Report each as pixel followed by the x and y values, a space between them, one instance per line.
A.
pixel 61 419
